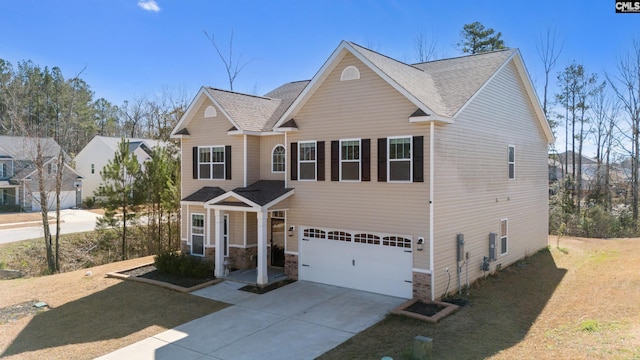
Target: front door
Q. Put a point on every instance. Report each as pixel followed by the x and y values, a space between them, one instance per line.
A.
pixel 277 242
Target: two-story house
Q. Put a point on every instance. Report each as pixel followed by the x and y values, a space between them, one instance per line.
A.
pixel 19 179
pixel 375 174
pixel 96 154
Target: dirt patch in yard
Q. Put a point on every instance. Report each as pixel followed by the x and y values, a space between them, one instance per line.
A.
pixel 90 315
pixel 576 302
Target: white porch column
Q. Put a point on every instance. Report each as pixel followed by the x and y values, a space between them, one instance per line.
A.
pixel 219 258
pixel 262 248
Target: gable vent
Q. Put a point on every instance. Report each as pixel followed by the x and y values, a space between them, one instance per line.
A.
pixel 210 112
pixel 350 73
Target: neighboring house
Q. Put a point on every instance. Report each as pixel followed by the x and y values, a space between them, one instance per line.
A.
pixel 588 165
pixel 19 177
pixel 96 154
pixel 375 175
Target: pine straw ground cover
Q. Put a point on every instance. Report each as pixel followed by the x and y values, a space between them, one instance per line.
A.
pixel 581 301
pixel 92 315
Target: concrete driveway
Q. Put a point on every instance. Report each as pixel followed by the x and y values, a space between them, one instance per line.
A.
pixel 302 320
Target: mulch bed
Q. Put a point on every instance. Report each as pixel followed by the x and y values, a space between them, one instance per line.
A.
pixel 18 311
pixel 265 289
pixel 150 272
pixel 426 309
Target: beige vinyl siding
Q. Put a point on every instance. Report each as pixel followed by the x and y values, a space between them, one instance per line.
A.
pixel 184 216
pixel 267 143
pixel 252 229
pixel 472 189
pixel 253 159
pixel 236 228
pixel 207 132
pixel 368 108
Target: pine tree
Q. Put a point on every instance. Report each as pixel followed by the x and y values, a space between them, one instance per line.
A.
pixel 121 191
pixel 477 39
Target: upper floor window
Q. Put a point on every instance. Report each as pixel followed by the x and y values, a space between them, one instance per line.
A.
pixel 278 159
pixel 211 162
pixel 350 160
pixel 512 161
pixel 400 156
pixel 52 168
pixel 307 160
pixel 504 236
pixel 3 170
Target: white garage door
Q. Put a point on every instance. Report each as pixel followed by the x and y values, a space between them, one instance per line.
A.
pixel 67 200
pixel 379 263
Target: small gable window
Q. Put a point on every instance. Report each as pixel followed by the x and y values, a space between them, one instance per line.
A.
pixel 278 159
pixel 210 112
pixel 512 162
pixel 350 73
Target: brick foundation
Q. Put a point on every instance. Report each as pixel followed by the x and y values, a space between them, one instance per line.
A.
pixel 291 266
pixel 421 286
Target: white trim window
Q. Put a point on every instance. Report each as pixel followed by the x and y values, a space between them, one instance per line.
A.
pixel 307 160
pixel 399 160
pixel 350 160
pixel 3 170
pixel 504 236
pixel 278 159
pixel 211 162
pixel 511 160
pixel 197 234
pixel 225 234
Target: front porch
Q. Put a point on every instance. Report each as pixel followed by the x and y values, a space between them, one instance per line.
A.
pixel 249 276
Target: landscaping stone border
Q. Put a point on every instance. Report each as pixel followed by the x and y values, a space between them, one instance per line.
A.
pixel 448 310
pixel 118 275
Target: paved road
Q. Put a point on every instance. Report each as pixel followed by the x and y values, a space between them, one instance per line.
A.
pixel 74 221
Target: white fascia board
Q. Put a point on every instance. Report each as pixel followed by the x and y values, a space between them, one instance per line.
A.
pixel 211 203
pixel 285 129
pixel 431 118
pixel 186 118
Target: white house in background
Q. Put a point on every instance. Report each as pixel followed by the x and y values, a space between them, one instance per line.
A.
pixel 19 180
pixel 96 154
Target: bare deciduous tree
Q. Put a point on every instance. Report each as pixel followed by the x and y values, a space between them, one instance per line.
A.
pixel 232 65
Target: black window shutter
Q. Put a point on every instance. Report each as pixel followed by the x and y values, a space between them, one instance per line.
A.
pixel 382 159
pixel 418 159
pixel 335 160
pixel 293 156
pixel 195 162
pixel 365 153
pixel 227 162
pixel 320 160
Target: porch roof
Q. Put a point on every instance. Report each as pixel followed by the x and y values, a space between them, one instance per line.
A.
pixel 205 194
pixel 259 195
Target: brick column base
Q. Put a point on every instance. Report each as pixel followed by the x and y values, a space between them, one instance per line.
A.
pixel 291 266
pixel 421 286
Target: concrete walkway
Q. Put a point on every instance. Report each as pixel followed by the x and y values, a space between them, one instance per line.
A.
pixel 302 320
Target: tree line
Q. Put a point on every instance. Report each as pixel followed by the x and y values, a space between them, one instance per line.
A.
pixel 38 103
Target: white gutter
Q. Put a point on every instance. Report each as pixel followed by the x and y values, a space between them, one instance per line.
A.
pixel 245 160
pixel 431 169
pixel 286 160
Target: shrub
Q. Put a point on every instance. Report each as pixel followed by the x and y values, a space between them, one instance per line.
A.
pixel 183 265
pixel 89 202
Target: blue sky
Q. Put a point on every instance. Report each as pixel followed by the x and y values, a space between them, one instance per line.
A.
pixel 133 48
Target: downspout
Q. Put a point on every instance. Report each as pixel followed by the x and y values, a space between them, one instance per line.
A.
pixel 245 159
pixel 286 158
pixel 431 169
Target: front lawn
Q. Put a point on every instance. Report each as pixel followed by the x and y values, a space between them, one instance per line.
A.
pixel 579 301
